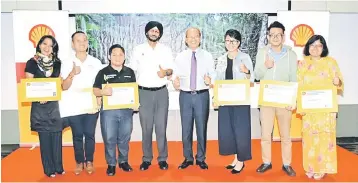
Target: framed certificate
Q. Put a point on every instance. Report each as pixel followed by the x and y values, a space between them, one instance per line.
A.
pixel 124 95
pixel 40 89
pixel 277 93
pixel 313 99
pixel 232 92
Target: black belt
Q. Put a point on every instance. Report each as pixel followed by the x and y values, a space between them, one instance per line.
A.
pixel 196 92
pixel 151 89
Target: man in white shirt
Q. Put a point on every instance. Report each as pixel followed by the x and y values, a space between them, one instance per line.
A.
pixel 80 73
pixel 153 64
pixel 194 71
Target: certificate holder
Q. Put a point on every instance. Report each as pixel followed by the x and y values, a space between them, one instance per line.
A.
pixel 232 92
pixel 124 96
pixel 277 93
pixel 315 99
pixel 40 89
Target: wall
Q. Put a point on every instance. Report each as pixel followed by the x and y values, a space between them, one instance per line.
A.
pixel 340 37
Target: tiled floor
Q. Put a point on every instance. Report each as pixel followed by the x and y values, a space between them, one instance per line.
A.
pixel 349 143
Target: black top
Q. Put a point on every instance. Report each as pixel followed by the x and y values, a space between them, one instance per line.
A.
pixel 228 73
pixel 110 75
pixel 44 117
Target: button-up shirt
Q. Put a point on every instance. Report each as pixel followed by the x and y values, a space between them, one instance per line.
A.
pixel 146 62
pixel 205 66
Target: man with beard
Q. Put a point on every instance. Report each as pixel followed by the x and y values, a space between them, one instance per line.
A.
pixel 153 64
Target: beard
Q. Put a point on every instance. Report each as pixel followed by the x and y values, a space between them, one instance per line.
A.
pixel 151 39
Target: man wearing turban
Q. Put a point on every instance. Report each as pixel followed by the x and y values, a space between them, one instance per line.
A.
pixel 153 63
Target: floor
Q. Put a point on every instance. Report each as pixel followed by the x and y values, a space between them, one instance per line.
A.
pixel 349 143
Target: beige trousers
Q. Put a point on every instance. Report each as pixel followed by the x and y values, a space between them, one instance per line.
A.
pixel 267 117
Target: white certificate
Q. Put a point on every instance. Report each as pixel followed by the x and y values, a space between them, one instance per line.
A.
pixel 317 99
pixel 231 92
pixel 122 96
pixel 77 102
pixel 282 94
pixel 41 89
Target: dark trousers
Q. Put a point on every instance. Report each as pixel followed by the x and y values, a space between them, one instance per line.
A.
pixel 51 152
pixel 194 107
pixel 235 131
pixel 83 126
pixel 116 128
pixel 153 112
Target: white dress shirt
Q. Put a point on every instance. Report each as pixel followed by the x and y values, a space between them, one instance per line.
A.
pixel 205 66
pixel 145 61
pixel 89 70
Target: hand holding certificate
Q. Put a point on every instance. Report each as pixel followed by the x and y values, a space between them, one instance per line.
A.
pixel 277 93
pixel 40 89
pixel 122 95
pixel 313 99
pixel 232 92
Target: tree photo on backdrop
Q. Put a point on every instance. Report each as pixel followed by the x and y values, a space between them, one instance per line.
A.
pixel 104 30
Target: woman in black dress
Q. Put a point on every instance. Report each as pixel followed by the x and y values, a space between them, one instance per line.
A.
pixel 45 115
pixel 235 121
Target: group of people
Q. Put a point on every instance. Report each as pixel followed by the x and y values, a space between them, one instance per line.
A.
pixel 192 72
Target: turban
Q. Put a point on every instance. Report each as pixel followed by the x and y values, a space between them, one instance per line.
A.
pixel 153 24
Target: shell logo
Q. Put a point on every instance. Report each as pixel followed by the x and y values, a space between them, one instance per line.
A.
pixel 38 31
pixel 301 34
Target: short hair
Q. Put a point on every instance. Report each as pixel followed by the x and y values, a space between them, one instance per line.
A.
pixel 314 38
pixel 186 34
pixel 77 32
pixel 116 46
pixel 276 24
pixel 55 47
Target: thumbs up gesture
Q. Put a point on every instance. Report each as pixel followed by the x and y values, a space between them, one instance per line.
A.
pixel 269 63
pixel 336 80
pixel 243 68
pixel 75 69
pixel 161 72
pixel 107 91
pixel 176 83
pixel 207 79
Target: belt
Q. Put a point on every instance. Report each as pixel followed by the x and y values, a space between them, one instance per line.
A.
pixel 151 88
pixel 196 91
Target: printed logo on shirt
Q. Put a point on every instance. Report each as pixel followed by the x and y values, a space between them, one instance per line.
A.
pixel 106 77
pixel 127 76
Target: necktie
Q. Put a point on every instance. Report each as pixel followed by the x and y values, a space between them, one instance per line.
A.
pixel 193 72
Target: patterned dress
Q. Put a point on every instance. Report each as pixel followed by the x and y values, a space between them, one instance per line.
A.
pixel 319 129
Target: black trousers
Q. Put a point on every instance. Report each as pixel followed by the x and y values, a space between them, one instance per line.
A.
pixel 51 152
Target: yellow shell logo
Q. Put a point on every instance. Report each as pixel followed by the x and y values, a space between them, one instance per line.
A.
pixel 301 34
pixel 38 31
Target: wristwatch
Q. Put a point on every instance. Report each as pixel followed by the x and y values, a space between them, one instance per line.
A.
pixel 248 72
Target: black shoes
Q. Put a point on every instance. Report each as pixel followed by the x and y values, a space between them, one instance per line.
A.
pixel 229 167
pixel 125 167
pixel 202 164
pixel 289 171
pixel 145 165
pixel 111 170
pixel 233 171
pixel 163 165
pixel 263 168
pixel 185 164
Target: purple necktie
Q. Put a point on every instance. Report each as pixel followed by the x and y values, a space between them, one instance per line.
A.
pixel 193 72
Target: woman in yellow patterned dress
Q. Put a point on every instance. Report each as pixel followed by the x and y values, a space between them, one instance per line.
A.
pixel 319 129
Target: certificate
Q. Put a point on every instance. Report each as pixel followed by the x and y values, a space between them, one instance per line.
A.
pixel 124 95
pixel 277 93
pixel 78 101
pixel 40 89
pixel 232 92
pixel 312 99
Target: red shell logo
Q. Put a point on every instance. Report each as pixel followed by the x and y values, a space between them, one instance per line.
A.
pixel 301 34
pixel 38 31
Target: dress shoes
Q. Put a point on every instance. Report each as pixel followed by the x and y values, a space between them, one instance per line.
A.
pixel 185 164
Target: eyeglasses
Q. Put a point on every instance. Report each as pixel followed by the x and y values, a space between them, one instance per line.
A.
pixel 195 37
pixel 316 46
pixel 275 35
pixel 231 42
